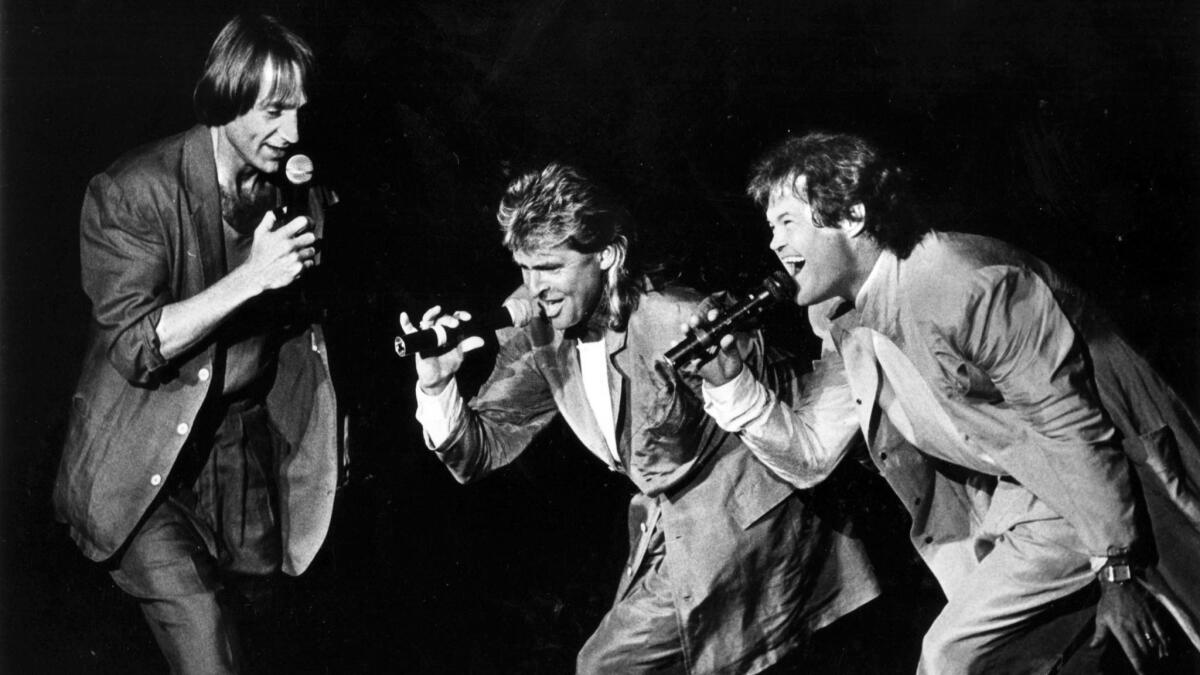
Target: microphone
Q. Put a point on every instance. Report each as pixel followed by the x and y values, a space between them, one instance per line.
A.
pixel 298 173
pixel 516 312
pixel 776 288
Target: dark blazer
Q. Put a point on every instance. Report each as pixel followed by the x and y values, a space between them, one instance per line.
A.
pixel 752 568
pixel 150 235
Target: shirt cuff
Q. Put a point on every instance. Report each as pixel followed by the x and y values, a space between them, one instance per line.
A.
pixel 439 414
pixel 733 405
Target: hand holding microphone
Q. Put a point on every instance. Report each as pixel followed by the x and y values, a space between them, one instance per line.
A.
pixel 441 340
pixel 712 333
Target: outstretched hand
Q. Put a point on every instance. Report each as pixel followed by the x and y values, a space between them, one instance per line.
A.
pixel 435 372
pixel 1126 613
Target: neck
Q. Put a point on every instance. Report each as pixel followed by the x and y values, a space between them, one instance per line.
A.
pixel 234 174
pixel 867 253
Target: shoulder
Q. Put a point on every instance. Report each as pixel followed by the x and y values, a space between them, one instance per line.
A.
pixel 948 269
pixel 153 161
pixel 668 305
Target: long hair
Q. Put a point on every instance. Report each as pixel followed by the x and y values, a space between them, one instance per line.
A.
pixel 558 206
pixel 251 49
pixel 840 171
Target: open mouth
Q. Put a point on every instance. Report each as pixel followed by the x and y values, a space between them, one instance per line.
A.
pixel 551 308
pixel 793 263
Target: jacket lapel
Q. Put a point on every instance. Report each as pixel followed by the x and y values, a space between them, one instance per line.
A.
pixel 618 367
pixel 203 201
pixel 575 407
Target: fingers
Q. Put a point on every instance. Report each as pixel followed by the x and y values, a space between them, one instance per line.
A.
pixel 471 344
pixel 1133 649
pixel 1157 639
pixel 728 342
pixel 295 226
pixel 267 223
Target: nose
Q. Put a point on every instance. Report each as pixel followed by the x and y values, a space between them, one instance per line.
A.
pixel 535 281
pixel 777 239
pixel 289 126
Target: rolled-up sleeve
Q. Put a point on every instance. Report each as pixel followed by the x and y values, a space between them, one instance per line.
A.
pixel 124 265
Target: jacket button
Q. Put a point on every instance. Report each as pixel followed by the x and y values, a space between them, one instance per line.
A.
pixel 182 429
pixel 858 401
pixel 643 527
pixel 156 480
pixel 928 540
pixel 203 374
pixel 686 595
pixel 629 570
pixel 882 456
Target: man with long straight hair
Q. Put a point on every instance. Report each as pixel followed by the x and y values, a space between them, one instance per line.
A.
pixel 202 449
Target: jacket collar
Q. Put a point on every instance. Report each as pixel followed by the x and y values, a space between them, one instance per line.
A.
pixel 198 171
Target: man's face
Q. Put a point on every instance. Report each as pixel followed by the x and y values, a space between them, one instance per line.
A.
pixel 820 259
pixel 567 284
pixel 261 136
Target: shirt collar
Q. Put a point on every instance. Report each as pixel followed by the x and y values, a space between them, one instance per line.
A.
pixel 874 286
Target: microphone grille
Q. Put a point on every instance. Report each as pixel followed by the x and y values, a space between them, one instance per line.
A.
pixel 299 169
pixel 521 311
pixel 780 285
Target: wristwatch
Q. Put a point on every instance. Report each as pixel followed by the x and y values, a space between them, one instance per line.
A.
pixel 1116 570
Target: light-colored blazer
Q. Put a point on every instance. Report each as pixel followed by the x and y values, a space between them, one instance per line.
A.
pixel 1033 376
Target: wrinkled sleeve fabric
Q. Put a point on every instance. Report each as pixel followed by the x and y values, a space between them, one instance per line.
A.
pixel 511 408
pixel 802 442
pixel 1015 331
pixel 124 265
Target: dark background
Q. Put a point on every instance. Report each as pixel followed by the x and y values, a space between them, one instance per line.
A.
pixel 1069 128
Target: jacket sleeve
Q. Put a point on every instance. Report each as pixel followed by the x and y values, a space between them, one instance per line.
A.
pixel 800 433
pixel 502 419
pixel 1014 331
pixel 124 265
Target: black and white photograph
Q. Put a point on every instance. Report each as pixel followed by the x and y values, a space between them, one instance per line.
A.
pixel 601 337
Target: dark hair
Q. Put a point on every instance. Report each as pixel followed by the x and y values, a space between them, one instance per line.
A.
pixel 559 206
pixel 238 64
pixel 840 171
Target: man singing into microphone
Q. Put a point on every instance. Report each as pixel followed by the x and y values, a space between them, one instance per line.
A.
pixel 1038 454
pixel 733 570
pixel 202 452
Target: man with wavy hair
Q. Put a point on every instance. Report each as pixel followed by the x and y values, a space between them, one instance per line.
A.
pixel 202 449
pixel 1036 452
pixel 732 570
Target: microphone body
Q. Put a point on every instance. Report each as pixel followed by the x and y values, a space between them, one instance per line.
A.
pixel 514 312
pixel 776 288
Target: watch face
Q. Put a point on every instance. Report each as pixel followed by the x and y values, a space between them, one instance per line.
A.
pixel 1116 573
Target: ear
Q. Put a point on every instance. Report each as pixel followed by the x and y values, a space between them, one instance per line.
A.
pixel 610 256
pixel 857 220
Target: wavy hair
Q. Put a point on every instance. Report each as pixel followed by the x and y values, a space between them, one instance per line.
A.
pixel 559 206
pixel 840 171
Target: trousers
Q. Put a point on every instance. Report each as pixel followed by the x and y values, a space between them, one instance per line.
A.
pixel 216 527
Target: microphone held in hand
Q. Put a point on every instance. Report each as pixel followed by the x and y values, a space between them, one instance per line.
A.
pixel 778 287
pixel 514 312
